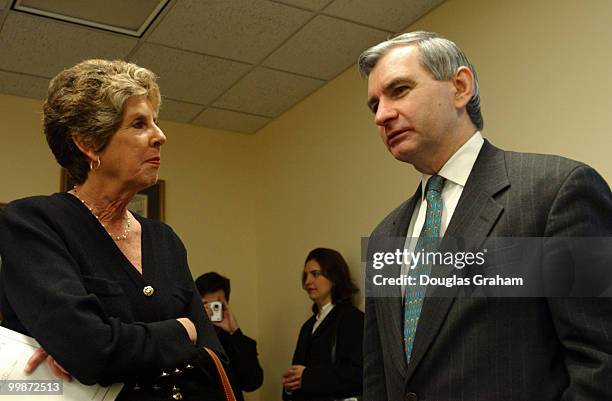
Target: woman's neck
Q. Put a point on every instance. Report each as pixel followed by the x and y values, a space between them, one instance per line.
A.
pixel 321 304
pixel 106 203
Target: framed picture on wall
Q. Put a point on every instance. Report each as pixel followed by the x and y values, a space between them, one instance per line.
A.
pixel 149 202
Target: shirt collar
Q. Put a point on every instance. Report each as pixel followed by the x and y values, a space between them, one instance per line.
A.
pixel 324 310
pixel 458 168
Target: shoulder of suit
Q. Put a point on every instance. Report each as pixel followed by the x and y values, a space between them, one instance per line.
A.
pixel 540 158
pixel 34 206
pixel 33 202
pixel 541 167
pixel 60 207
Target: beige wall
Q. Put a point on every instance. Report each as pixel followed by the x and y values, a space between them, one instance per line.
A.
pixel 26 165
pixel 253 206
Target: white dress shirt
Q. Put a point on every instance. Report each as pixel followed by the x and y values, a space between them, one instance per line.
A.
pixel 456 172
pixel 322 314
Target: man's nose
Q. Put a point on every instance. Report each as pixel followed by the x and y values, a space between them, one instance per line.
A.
pixel 384 112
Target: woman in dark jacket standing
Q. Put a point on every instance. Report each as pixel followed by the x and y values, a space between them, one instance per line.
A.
pixel 327 363
pixel 107 293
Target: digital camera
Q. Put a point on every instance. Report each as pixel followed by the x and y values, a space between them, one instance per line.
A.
pixel 217 311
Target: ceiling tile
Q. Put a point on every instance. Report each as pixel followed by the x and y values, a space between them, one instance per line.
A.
pixel 231 120
pixel 245 30
pixel 267 92
pixel 23 85
pixel 131 17
pixel 390 15
pixel 331 45
pixel 188 76
pixel 178 111
pixel 308 4
pixel 40 46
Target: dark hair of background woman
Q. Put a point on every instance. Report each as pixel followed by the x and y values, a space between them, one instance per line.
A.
pixel 335 269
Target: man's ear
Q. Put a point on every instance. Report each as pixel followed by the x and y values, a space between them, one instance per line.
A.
pixel 464 86
pixel 85 149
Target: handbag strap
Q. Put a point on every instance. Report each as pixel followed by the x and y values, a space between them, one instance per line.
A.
pixel 227 388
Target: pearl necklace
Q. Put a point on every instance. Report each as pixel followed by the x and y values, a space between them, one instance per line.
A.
pixel 128 221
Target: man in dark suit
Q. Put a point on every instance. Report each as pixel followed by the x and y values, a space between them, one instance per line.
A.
pixel 425 97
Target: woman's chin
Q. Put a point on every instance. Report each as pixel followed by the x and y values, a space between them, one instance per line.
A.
pixel 313 297
pixel 146 182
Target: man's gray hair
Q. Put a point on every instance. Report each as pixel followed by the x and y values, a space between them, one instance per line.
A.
pixel 440 56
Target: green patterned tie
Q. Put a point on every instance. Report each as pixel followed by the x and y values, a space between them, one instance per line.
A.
pixel 414 295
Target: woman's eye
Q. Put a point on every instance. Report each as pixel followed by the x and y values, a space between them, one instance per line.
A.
pixel 316 274
pixel 138 124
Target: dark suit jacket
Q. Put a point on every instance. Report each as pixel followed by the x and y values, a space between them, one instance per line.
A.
pixel 324 379
pixel 501 348
pixel 245 372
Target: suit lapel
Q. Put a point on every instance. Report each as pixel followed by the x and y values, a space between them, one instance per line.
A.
pixel 478 211
pixel 402 220
pixel 325 323
pixel 473 219
pixel 389 312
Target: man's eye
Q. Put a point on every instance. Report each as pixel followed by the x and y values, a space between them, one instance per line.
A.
pixel 400 89
pixel 374 108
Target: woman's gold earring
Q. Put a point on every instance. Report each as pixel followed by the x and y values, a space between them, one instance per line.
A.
pixel 96 163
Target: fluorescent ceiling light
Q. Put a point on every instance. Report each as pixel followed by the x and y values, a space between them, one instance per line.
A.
pixel 131 17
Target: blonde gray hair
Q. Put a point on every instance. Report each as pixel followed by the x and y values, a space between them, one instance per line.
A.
pixel 440 56
pixel 87 101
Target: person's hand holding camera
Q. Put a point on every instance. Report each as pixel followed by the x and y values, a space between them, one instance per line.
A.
pixel 228 322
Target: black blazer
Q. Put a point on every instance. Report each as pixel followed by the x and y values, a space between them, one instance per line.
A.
pixel 331 374
pixel 65 283
pixel 498 349
pixel 245 372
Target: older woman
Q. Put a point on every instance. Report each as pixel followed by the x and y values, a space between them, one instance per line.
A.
pixel 107 293
pixel 327 363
